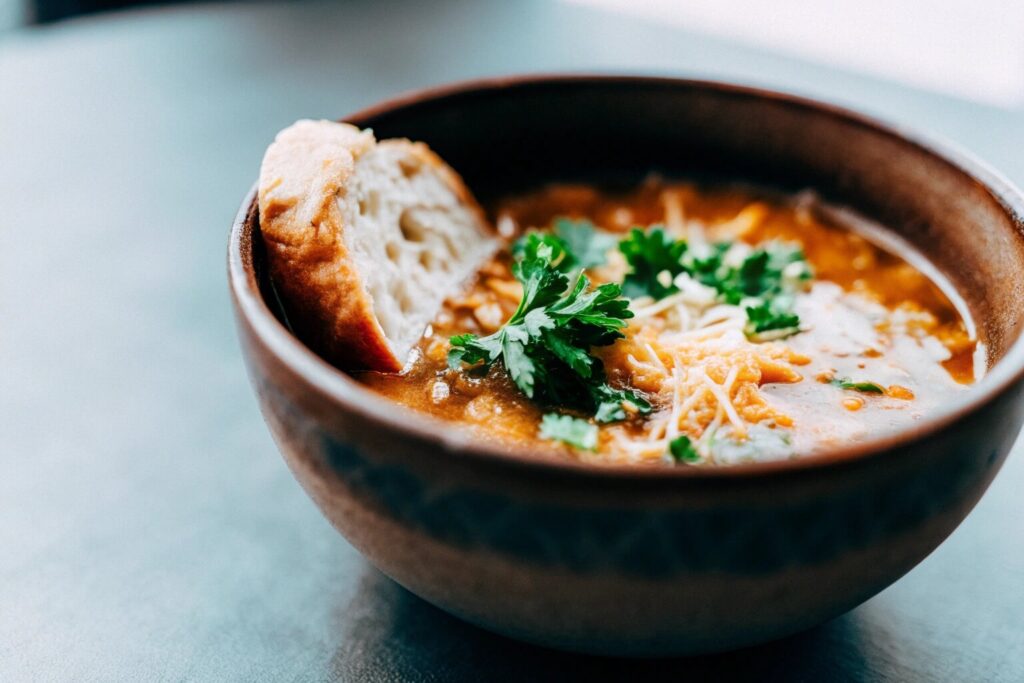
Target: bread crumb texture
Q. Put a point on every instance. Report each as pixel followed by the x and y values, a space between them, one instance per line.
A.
pixel 365 239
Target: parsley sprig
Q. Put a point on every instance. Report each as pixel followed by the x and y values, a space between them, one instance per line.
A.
pixel 763 281
pixel 773 318
pixel 654 259
pixel 568 429
pixel 545 345
pixel 863 387
pixel 577 244
pixel 682 450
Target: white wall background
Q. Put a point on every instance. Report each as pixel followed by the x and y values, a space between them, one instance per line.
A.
pixel 972 49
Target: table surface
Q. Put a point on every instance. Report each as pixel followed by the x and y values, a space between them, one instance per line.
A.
pixel 148 528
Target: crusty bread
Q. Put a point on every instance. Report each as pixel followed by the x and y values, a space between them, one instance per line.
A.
pixel 365 239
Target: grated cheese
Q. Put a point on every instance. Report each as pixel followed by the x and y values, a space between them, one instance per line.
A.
pixel 689 352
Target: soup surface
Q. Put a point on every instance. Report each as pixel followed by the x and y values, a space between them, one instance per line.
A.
pixel 758 328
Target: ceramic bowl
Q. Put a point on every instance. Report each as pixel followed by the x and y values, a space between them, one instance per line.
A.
pixel 655 561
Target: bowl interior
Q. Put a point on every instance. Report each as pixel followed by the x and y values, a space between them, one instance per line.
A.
pixel 510 135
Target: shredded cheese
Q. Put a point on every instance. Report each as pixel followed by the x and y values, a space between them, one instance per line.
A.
pixel 690 354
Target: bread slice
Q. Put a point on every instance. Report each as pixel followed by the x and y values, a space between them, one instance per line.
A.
pixel 365 239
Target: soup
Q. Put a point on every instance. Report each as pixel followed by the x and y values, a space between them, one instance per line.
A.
pixel 684 325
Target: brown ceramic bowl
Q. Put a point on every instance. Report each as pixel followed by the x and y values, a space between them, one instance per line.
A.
pixel 651 561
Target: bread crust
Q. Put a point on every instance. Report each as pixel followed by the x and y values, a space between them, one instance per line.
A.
pixel 304 174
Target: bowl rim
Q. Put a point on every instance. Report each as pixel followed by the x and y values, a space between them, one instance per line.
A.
pixel 355 398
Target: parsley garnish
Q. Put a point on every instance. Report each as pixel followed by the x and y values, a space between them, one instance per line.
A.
pixel 774 316
pixel 654 259
pixel 761 275
pixel 575 244
pixel 762 281
pixel 588 245
pixel 863 387
pixel 545 345
pixel 681 449
pixel 570 430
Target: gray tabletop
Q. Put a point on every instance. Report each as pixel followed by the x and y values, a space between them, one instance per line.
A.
pixel 148 528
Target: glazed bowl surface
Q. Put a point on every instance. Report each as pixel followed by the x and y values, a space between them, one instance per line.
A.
pixel 655 561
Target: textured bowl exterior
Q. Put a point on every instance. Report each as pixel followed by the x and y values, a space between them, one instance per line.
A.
pixel 639 563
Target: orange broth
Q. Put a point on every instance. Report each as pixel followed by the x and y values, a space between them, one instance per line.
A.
pixel 792 394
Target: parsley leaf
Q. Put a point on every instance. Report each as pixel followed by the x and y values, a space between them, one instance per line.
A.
pixel 588 245
pixel 762 274
pixel 575 245
pixel 654 259
pixel 863 387
pixel 771 316
pixel 707 268
pixel 538 270
pixel 610 403
pixel 570 430
pixel 681 449
pixel 545 345
pixel 762 281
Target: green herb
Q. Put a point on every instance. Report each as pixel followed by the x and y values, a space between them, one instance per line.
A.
pixel 545 345
pixel 708 268
pixel 610 403
pixel 863 387
pixel 559 257
pixel 654 259
pixel 570 430
pixel 764 280
pixel 588 246
pixel 682 450
pixel 776 317
pixel 762 274
pixel 574 244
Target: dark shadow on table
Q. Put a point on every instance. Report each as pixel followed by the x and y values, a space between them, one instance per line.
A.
pixel 391 635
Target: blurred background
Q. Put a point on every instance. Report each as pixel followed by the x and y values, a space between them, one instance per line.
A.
pixel 921 43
